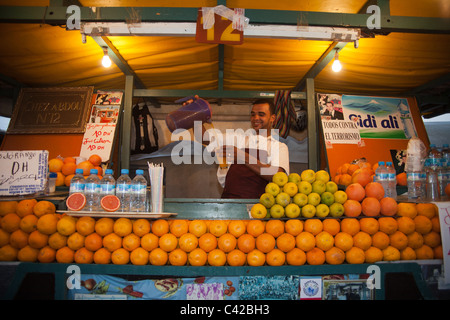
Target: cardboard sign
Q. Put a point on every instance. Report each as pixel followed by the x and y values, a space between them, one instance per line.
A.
pixel 221 32
pixel 444 219
pixel 98 139
pixel 23 172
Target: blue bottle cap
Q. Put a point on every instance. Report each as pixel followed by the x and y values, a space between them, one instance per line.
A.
pixel 94 171
pixel 381 163
pixel 53 175
pixel 109 171
pixel 80 171
pixel 124 171
pixel 139 171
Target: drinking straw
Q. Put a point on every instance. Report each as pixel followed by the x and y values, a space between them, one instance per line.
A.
pixel 156 173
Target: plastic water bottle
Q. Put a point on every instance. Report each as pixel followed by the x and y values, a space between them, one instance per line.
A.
pixel 92 191
pixel 381 175
pixel 392 181
pixel 108 183
pixel 123 190
pixel 434 173
pixel 77 184
pixel 445 168
pixel 416 182
pixel 139 192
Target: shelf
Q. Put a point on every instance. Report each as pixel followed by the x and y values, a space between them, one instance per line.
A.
pixel 101 214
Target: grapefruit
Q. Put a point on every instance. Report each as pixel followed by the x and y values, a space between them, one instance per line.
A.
pixel 110 203
pixel 76 201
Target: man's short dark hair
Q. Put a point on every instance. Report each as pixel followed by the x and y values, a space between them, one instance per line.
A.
pixel 266 101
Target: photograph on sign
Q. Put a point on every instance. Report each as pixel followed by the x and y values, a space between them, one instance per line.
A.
pixel 107 97
pixel 104 114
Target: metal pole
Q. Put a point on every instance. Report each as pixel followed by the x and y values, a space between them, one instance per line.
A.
pixel 126 123
pixel 313 133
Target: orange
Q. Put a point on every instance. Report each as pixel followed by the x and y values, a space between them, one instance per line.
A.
pixel 69 159
pixel 104 226
pixel 334 256
pixel 296 257
pixel 388 206
pixel 60 179
pixel 305 241
pixel 423 224
pixel 344 168
pixel 332 226
pixel 123 227
pixel 407 209
pixel 431 239
pixel 355 191
pixel 65 255
pixel 85 225
pixel 275 257
pixel 68 168
pixel 8 253
pixel 352 208
pixel 47 223
pixel 66 225
pixel 178 257
pixel 426 209
pixel 237 228
pixel 236 258
pixel 168 242
pixel 265 242
pixel 197 257
pixel 415 240
pixel 380 240
pixel 149 241
pixel 246 243
pixel 227 242
pixel 28 254
pixel 345 179
pixel 25 207
pixel 218 227
pixel 408 254
pixel 350 226
pixel 313 226
pixel 402 179
pixel 46 255
pixel 255 227
pixel 18 239
pixel 55 165
pixel 43 207
pixel 207 242
pixel 68 180
pixel 275 227
pixel 375 190
pixel 370 207
pixel 4 237
pixel 355 255
pixel 294 226
pixel 57 241
pixel 198 228
pixel 37 239
pixel 95 159
pixel 373 254
pixel 216 258
pixel 406 225
pixel 362 176
pixel 362 240
pixel 315 256
pixel 352 168
pixel 343 241
pixel 102 256
pixel 160 227
pixel 398 240
pixel 8 207
pixel 423 253
pixel 438 252
pixel 10 222
pixel 188 242
pixel 388 225
pixel 139 256
pixel 93 242
pixel 324 241
pixel 112 242
pixel 75 241
pixel 158 257
pixel 28 223
pixel 436 224
pixel 99 171
pixel 256 258
pixel 285 242
pixel 120 256
pixel 83 256
pixel 86 166
pixel 131 242
pixel 369 225
pixel 141 227
pixel 391 254
pixel 179 227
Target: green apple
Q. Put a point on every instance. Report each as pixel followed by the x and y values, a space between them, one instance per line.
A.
pixel 327 198
pixel 340 196
pixel 300 199
pixel 308 175
pixel 336 210
pixel 277 211
pixel 318 186
pixel 258 211
pixel 331 186
pixel 292 210
pixel 322 175
pixel 283 199
pixel 280 178
pixel 272 188
pixel 294 177
pixel 308 211
pixel 314 198
pixel 267 200
pixel 322 210
pixel 304 187
pixel 290 188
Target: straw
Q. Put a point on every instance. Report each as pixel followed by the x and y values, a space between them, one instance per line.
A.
pixel 156 174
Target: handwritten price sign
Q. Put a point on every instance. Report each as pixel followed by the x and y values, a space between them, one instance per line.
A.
pixel 98 139
pixel 444 219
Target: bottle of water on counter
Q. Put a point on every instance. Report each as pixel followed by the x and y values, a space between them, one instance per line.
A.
pixel 123 190
pixel 434 173
pixel 77 184
pixel 392 181
pixel 108 183
pixel 416 182
pixel 139 192
pixel 381 175
pixel 92 191
pixel 445 173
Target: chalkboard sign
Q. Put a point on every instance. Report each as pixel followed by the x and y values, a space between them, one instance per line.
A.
pixel 51 110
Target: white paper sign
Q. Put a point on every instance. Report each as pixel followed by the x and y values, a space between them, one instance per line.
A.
pixel 23 172
pixel 98 139
pixel 444 219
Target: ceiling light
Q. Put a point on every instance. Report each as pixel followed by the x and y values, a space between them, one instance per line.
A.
pixel 336 66
pixel 106 61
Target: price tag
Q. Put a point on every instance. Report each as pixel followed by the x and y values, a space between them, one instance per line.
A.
pixel 98 139
pixel 221 32
pixel 444 219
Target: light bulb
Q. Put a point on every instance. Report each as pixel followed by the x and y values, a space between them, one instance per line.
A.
pixel 336 66
pixel 106 61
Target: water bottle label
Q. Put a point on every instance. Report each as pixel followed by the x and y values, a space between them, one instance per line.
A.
pixel 108 188
pixel 139 189
pixel 76 187
pixel 412 176
pixel 392 176
pixel 123 188
pixel 91 187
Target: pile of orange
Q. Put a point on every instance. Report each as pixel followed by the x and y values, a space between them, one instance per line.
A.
pixel 31 231
pixel 65 168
